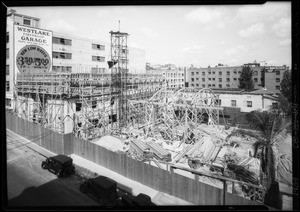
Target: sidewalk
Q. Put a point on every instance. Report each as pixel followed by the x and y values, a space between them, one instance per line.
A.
pixel 158 198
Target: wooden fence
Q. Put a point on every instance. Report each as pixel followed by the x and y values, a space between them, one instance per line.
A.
pixel 36 133
pixel 191 190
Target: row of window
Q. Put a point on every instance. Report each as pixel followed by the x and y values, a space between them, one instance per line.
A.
pixel 68 42
pixel 209 85
pixel 173 75
pixel 213 79
pixel 255 73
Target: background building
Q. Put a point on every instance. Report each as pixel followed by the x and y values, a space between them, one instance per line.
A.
pixel 175 77
pixel 224 77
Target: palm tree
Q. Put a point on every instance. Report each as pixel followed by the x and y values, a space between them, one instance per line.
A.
pixel 268 128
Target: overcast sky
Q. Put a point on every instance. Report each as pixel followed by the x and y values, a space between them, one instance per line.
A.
pixel 183 35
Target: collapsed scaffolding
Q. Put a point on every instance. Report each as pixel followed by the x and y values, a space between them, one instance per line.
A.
pixel 174 115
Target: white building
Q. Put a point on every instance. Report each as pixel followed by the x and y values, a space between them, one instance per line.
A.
pixel 175 77
pixel 247 101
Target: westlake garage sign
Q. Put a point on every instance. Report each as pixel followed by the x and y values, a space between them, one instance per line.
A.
pixel 33 49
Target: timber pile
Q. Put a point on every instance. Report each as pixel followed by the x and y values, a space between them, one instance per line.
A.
pixel 159 152
pixel 140 148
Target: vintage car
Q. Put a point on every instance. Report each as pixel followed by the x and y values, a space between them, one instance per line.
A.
pixel 101 188
pixel 60 165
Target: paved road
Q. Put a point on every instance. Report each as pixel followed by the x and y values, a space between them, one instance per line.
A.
pixel 29 185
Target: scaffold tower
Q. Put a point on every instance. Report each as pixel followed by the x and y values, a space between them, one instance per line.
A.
pixel 119 74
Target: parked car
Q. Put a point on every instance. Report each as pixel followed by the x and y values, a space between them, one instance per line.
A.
pixel 60 165
pixel 142 200
pixel 101 188
pixel 139 200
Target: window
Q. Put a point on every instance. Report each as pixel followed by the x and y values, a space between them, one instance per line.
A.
pixel 277 87
pixel 227 80
pixel 277 80
pixel 94 104
pixel 255 73
pixel 239 72
pixel 228 72
pixel 203 79
pixel 62 55
pixel 209 78
pixel 255 79
pixel 192 85
pixel 234 71
pixel 62 68
pixel 197 78
pixel 203 73
pixel 197 72
pixel 213 72
pixel 7 70
pixel 233 103
pixel 78 106
pixel 220 79
pixel 98 46
pixel 209 85
pixel 98 58
pixel 7 53
pixel 228 85
pixel 62 41
pixel 192 73
pixel 220 72
pixel 220 86
pixel 218 102
pixel 7 37
pixel 277 72
pixel 249 103
pixel 214 85
pixel 26 22
pixel 234 79
pixel 192 79
pixel 203 86
pixel 213 79
pixel 7 85
pixel 197 85
pixel 275 105
pixel 209 72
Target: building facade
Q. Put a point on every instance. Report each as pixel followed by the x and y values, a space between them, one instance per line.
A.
pixel 223 77
pixel 175 77
pixel 69 53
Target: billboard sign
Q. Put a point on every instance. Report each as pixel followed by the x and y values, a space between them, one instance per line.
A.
pixel 32 49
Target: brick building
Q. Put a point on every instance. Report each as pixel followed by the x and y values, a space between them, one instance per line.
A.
pixel 224 77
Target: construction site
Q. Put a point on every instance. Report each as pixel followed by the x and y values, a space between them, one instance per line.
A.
pixel 138 115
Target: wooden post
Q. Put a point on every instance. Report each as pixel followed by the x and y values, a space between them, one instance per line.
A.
pixel 224 191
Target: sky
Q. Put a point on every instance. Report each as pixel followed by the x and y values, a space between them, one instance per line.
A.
pixel 201 35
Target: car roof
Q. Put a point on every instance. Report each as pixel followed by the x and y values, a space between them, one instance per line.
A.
pixel 104 182
pixel 62 158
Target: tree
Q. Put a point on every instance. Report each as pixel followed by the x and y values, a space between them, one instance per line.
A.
pixel 269 128
pixel 286 85
pixel 285 105
pixel 245 79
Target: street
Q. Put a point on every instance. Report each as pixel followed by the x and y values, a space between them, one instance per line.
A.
pixel 29 185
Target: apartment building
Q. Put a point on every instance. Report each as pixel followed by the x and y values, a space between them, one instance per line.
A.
pixel 224 77
pixel 70 53
pixel 175 76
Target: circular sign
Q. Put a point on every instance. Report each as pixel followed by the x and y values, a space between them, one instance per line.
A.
pixel 33 58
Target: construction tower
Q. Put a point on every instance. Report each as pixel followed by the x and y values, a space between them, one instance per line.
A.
pixel 119 74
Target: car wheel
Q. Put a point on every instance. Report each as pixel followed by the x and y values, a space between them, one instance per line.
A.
pixel 83 188
pixel 44 165
pixel 60 174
